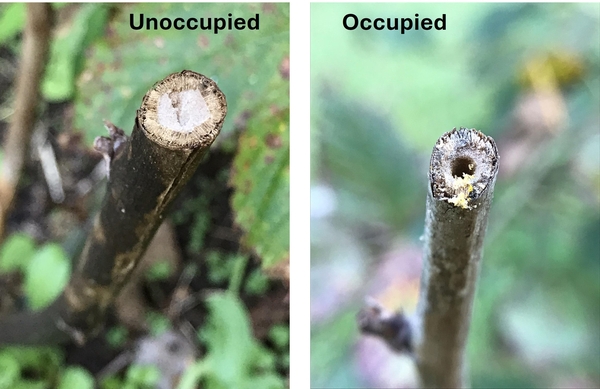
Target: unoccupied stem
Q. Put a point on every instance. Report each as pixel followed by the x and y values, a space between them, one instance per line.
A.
pixel 147 171
pixel 36 41
pixel 462 174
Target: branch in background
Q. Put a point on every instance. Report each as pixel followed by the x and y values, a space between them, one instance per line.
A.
pixel 36 41
pixel 178 121
pixel 462 174
pixel 393 328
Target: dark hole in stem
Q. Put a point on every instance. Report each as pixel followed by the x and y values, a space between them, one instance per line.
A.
pixel 463 165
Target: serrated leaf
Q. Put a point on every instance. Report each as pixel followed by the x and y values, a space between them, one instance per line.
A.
pixel 47 274
pixel 120 68
pixel 261 179
pixel 16 252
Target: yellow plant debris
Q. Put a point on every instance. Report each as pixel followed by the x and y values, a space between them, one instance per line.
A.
pixel 462 188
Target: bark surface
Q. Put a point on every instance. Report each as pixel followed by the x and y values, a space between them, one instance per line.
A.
pixel 179 119
pixel 36 43
pixel 462 174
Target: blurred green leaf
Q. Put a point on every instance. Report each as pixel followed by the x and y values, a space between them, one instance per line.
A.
pixel 285 360
pixel 9 371
pixel 256 283
pixel 160 270
pixel 367 160
pixel 36 358
pixel 143 376
pixel 12 21
pixel 330 346
pixel 219 267
pixel 238 269
pixel 30 384
pixel 234 359
pixel 261 179
pixel 198 231
pixel 158 323
pixel 16 252
pixel 280 335
pixel 229 339
pixel 67 51
pixel 76 378
pixel 41 364
pixel 518 378
pixel 539 332
pixel 46 276
pixel 116 336
pixel 111 383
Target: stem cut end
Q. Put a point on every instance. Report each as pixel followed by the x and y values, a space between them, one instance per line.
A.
pixel 185 110
pixel 463 164
pixel 182 111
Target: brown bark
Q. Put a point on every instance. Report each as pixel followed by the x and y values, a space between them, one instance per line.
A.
pixel 34 55
pixel 178 121
pixel 462 174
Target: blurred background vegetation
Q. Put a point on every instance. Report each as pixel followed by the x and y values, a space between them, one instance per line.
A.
pixel 529 76
pixel 226 254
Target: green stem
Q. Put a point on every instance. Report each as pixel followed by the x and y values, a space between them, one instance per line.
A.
pixel 239 267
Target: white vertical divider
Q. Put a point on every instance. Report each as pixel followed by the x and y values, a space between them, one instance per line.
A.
pixel 300 194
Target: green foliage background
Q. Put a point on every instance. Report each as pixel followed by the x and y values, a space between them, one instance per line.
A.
pixel 379 101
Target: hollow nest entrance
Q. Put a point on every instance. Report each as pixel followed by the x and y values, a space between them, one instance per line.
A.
pixel 462 166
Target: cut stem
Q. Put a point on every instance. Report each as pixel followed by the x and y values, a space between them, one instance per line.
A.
pixel 462 174
pixel 179 119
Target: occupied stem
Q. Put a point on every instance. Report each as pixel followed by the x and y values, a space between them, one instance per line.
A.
pixel 463 170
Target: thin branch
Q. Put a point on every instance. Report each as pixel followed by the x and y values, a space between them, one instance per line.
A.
pixel 395 329
pixel 36 41
pixel 462 174
pixel 179 119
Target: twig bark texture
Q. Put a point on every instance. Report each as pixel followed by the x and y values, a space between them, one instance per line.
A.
pixel 34 54
pixel 179 119
pixel 462 174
